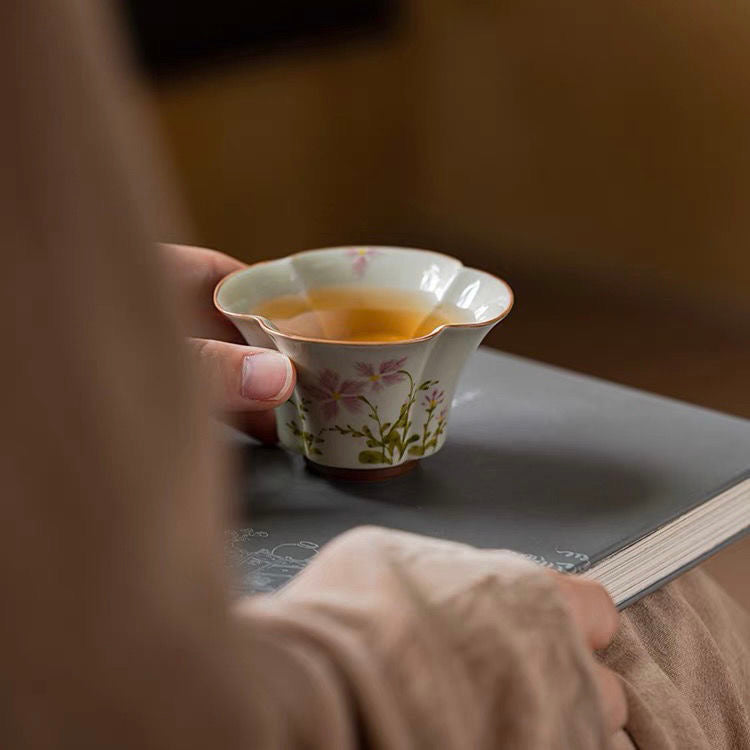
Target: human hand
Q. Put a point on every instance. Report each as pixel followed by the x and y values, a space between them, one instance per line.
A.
pixel 512 628
pixel 597 619
pixel 246 383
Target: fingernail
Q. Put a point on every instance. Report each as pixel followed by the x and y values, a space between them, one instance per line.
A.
pixel 265 375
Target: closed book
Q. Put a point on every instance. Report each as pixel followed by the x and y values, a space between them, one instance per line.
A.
pixel 580 475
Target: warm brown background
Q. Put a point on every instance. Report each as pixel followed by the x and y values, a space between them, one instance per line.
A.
pixel 596 154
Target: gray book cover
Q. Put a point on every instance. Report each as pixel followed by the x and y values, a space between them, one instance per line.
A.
pixel 561 467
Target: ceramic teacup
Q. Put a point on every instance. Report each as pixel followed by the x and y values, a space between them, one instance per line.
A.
pixel 368 409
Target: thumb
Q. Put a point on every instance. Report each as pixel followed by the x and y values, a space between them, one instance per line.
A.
pixel 244 378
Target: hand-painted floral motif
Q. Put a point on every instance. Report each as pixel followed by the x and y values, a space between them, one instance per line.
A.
pixel 309 442
pixel 434 399
pixel 387 373
pixel 330 391
pixel 361 257
pixel 429 438
pixel 385 442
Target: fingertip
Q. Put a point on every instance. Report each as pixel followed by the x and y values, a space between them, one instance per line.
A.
pixel 605 617
pixel 610 618
pixel 268 378
pixel 292 381
pixel 592 608
pixel 613 697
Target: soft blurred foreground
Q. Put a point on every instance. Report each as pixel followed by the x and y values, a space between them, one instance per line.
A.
pixel 598 157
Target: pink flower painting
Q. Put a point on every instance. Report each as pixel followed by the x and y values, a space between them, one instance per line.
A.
pixel 433 399
pixel 331 392
pixel 387 438
pixel 387 373
pixel 361 257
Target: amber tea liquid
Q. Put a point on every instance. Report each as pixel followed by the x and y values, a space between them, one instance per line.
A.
pixel 361 314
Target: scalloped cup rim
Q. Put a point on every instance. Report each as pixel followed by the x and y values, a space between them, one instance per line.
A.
pixel 271 331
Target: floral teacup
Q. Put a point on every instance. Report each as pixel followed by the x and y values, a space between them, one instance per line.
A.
pixel 368 410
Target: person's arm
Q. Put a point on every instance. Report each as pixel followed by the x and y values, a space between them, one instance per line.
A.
pixel 116 628
pixel 391 640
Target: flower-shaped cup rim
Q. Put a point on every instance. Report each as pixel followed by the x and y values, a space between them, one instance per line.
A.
pixel 274 332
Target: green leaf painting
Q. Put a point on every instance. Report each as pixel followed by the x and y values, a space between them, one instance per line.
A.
pixel 383 442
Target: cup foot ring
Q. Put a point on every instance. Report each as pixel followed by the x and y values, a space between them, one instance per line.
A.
pixel 361 475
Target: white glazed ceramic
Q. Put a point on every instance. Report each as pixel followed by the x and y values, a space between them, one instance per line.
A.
pixel 372 406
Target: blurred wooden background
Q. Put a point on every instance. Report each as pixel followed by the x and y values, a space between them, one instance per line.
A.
pixel 596 155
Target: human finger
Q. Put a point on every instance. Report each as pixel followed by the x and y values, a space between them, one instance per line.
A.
pixel 244 378
pixel 196 271
pixel 612 695
pixel 592 609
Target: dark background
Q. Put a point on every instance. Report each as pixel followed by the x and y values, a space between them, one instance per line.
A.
pixel 173 37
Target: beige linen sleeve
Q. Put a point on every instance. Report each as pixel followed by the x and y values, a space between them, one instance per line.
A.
pixel 116 628
pixel 433 645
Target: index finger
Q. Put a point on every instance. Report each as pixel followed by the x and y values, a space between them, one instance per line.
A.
pixel 196 271
pixel 200 267
pixel 591 607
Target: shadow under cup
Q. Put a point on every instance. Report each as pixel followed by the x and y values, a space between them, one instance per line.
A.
pixel 361 409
